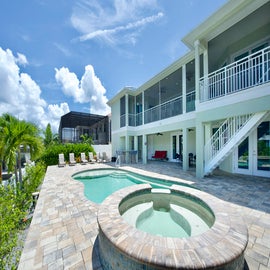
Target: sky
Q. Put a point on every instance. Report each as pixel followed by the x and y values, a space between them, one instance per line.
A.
pixel 58 56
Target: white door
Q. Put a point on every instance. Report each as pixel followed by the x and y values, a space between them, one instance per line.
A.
pixel 253 154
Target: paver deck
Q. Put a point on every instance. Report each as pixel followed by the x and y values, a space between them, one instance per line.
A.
pixel 64 228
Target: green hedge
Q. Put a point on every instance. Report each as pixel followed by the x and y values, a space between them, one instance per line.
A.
pixel 50 156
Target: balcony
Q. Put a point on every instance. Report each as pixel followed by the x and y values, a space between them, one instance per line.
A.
pixel 165 110
pixel 243 74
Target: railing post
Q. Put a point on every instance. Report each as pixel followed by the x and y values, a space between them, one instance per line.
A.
pixel 263 65
pixel 225 81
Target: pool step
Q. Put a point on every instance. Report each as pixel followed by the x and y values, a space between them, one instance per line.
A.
pixel 118 175
pixel 132 214
pixel 142 181
pixel 197 225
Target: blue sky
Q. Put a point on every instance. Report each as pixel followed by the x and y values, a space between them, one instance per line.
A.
pixel 60 56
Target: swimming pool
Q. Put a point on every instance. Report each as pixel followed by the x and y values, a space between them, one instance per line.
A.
pixel 100 183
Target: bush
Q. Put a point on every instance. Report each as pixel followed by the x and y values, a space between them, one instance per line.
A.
pixel 50 155
pixel 31 182
pixel 10 218
pixel 14 209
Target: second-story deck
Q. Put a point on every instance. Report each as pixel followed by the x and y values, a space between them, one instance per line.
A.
pixel 248 72
pixel 245 73
pixel 162 111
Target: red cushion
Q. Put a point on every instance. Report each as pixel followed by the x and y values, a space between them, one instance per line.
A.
pixel 160 154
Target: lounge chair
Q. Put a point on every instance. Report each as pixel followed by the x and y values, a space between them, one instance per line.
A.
pixel 61 160
pixel 104 157
pixel 98 157
pixel 72 160
pixel 91 157
pixel 83 159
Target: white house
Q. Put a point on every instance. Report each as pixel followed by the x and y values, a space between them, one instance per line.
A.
pixel 210 107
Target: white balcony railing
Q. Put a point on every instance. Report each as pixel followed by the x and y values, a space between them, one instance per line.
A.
pixel 245 73
pixel 122 120
pixel 165 110
pixel 190 101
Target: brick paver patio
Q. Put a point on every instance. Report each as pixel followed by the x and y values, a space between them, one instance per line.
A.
pixel 64 228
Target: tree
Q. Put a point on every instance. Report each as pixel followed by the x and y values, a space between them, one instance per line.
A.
pixel 48 136
pixel 15 135
pixel 86 139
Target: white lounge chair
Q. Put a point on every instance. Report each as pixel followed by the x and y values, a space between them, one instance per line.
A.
pixel 83 159
pixel 61 160
pixel 99 159
pixel 72 160
pixel 91 157
pixel 104 157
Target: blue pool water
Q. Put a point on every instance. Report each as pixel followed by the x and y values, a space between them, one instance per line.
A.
pixel 100 183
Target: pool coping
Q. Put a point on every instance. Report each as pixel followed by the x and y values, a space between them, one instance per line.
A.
pixel 207 250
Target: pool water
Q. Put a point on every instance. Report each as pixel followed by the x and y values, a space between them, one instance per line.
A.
pixel 97 189
pixel 159 222
pixel 160 212
pixel 100 183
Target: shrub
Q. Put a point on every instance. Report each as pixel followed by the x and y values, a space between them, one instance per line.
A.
pixel 10 217
pixel 50 156
pixel 15 204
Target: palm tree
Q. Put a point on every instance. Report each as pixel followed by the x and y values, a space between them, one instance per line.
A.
pixel 14 135
pixel 48 136
pixel 86 139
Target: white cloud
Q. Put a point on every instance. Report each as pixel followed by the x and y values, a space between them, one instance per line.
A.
pixel 87 90
pixel 108 34
pixel 21 59
pixel 119 23
pixel 20 95
pixel 55 111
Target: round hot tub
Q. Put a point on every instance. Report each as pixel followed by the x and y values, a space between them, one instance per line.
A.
pixel 167 213
pixel 180 228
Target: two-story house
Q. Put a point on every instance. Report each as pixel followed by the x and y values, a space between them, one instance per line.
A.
pixel 212 104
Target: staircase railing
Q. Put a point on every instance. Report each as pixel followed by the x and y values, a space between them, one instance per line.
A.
pixel 224 135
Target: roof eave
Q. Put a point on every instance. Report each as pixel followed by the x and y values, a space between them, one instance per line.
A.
pixel 229 14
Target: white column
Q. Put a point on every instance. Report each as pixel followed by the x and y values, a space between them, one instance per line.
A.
pixel 205 67
pixel 185 149
pixel 184 89
pixel 144 151
pixel 208 132
pixel 142 108
pixel 197 71
pixel 136 147
pixel 205 59
pixel 127 149
pixel 199 149
pixel 126 109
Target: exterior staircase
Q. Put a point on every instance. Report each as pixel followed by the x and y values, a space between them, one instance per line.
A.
pixel 229 135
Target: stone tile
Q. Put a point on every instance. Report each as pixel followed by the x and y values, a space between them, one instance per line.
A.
pixel 64 224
